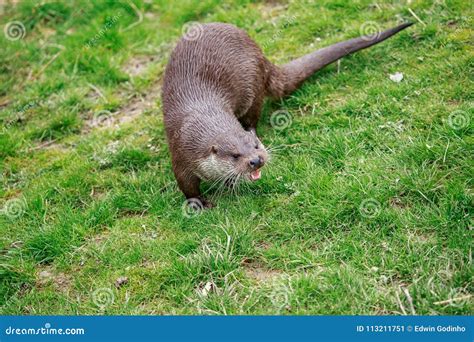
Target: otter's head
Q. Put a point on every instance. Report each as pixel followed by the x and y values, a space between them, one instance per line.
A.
pixel 234 156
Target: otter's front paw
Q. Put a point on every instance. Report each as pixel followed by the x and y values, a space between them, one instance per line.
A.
pixel 206 204
pixel 197 204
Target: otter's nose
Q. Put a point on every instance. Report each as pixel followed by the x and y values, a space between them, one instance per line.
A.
pixel 256 162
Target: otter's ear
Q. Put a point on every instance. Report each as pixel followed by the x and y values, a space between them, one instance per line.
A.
pixel 213 149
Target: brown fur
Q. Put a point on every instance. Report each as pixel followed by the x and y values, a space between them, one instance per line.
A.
pixel 213 92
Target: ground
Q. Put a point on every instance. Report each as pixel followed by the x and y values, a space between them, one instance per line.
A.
pixel 365 208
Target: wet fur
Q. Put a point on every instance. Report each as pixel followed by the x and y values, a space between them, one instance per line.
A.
pixel 213 92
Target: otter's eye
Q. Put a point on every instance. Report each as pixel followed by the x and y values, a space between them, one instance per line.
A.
pixel 256 146
pixel 236 155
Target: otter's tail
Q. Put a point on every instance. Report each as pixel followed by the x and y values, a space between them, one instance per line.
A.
pixel 287 78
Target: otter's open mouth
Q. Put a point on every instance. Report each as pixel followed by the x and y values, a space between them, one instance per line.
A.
pixel 254 175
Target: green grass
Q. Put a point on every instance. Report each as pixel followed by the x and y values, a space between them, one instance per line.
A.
pixel 366 207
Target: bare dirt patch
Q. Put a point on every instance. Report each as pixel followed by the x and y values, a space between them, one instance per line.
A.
pixel 397 202
pixel 98 193
pixel 47 275
pixel 138 104
pixel 258 272
pixel 137 65
pixel 50 145
pixel 272 9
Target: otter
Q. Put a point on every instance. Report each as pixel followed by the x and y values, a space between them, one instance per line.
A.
pixel 213 91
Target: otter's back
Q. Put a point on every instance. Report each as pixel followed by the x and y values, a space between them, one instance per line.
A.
pixel 222 62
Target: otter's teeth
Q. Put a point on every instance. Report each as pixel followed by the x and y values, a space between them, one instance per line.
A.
pixel 254 175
